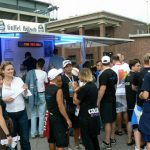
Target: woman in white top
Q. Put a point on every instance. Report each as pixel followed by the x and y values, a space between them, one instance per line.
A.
pixel 12 95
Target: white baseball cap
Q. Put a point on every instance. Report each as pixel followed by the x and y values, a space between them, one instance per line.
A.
pixel 66 62
pixel 105 59
pixel 75 71
pixel 53 73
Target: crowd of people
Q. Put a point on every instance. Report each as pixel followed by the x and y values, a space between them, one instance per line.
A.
pixel 114 95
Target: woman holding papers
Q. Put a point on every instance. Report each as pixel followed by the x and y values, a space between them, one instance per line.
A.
pixel 12 94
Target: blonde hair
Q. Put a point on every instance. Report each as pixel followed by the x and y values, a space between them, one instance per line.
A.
pixel 121 57
pixel 86 75
pixel 5 64
pixel 1 74
pixel 146 58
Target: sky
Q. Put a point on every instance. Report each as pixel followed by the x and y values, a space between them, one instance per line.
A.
pixel 136 9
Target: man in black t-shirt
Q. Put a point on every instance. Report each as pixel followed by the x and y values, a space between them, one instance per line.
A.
pixel 107 101
pixel 29 62
pixel 68 81
pixel 131 95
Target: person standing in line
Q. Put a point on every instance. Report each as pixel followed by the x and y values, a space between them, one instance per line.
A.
pixel 55 61
pixel 131 96
pixel 5 132
pixel 29 62
pixel 107 101
pixel 122 70
pixel 136 85
pixel 58 115
pixel 98 72
pixel 41 79
pixel 12 95
pixel 89 117
pixel 144 124
pixel 68 82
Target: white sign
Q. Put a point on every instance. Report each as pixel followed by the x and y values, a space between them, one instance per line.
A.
pixel 20 26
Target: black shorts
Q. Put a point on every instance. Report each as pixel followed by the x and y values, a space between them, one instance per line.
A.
pixel 58 132
pixel 108 112
pixel 74 119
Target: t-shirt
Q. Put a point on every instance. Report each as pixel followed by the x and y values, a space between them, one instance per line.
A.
pixel 87 95
pixel 50 96
pixel 67 88
pixel 30 63
pixel 146 83
pixel 137 81
pixel 130 94
pixel 109 79
pixel 144 125
pixel 18 103
pixel 41 79
pixel 122 70
pixel 146 87
pixel 97 80
pixel 89 116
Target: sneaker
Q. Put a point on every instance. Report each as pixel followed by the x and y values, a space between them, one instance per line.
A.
pixel 120 133
pixel 81 146
pixel 143 147
pixel 68 148
pixel 34 137
pixel 41 136
pixel 113 141
pixel 76 148
pixel 130 142
pixel 106 145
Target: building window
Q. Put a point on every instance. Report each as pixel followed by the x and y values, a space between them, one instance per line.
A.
pixel 73 59
pixel 90 58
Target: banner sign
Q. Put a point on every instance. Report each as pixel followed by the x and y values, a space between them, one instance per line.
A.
pixel 20 26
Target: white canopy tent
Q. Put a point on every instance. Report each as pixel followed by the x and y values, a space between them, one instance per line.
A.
pixel 68 40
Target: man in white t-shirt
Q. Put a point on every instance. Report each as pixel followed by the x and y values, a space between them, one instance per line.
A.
pixel 41 108
pixel 122 69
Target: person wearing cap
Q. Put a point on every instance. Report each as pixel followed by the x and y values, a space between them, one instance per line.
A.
pixel 58 116
pixel 107 101
pixel 68 82
pixel 122 71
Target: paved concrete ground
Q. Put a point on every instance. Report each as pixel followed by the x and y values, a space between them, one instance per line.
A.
pixel 41 144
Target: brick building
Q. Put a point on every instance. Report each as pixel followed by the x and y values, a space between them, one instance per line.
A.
pixel 102 24
pixel 140 46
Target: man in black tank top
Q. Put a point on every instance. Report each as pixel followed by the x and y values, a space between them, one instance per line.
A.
pixel 58 115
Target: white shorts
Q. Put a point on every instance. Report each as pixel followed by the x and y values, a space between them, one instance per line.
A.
pixel 121 103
